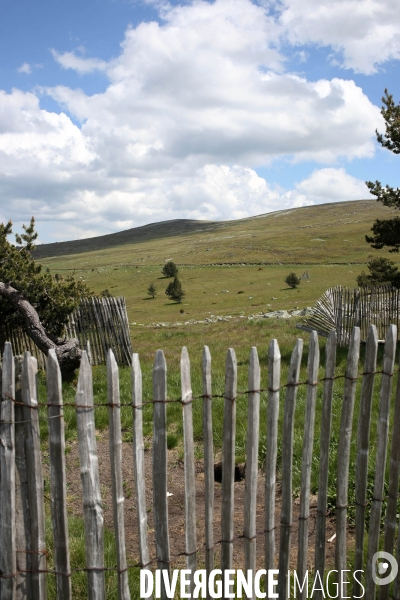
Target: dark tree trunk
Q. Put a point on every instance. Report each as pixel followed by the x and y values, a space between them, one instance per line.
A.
pixel 68 352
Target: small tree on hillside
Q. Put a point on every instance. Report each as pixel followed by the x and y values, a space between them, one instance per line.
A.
pixel 292 280
pixel 382 271
pixel 170 269
pixel 174 290
pixel 151 290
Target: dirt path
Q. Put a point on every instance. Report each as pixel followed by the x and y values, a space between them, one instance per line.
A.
pixel 176 508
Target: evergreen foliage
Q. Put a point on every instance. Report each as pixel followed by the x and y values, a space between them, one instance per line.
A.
pixel 170 269
pixel 292 280
pixel 151 290
pixel 382 271
pixel 387 232
pixel 53 296
pixel 174 290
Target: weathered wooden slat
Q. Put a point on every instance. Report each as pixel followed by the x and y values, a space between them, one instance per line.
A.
pixel 115 439
pixel 22 513
pixel 380 464
pixel 253 424
pixel 208 446
pixel 35 477
pixel 160 489
pixel 190 481
pixel 8 563
pixel 344 450
pixel 228 460
pixel 138 460
pixel 364 421
pixel 287 461
pixel 306 459
pixel 325 436
pixel 58 479
pixel 392 497
pixel 91 496
pixel 274 382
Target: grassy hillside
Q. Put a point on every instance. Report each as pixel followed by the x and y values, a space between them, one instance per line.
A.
pixel 233 267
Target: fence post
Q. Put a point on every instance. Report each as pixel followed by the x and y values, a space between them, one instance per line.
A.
pixel 22 512
pixel 287 462
pixel 138 459
pixel 35 477
pixel 393 491
pixel 114 417
pixel 160 501
pixel 58 479
pixel 344 449
pixel 253 425
pixel 91 497
pixel 274 382
pixel 306 459
pixel 8 564
pixel 228 460
pixel 382 440
pixel 326 420
pixel 364 421
pixel 208 445
pixel 190 481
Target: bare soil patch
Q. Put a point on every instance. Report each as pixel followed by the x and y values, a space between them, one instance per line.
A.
pixel 176 504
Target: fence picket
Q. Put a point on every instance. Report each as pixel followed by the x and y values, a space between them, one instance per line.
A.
pixel 138 460
pixel 392 497
pixel 8 563
pixel 382 440
pixel 287 461
pixel 114 417
pixel 274 381
pixel 364 421
pixel 228 460
pixel 325 436
pixel 35 477
pixel 306 459
pixel 160 502
pixel 190 481
pixel 344 450
pixel 58 482
pixel 91 496
pixel 22 513
pixel 208 445
pixel 250 502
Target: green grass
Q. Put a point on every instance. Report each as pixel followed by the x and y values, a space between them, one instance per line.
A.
pixel 252 256
pixel 327 241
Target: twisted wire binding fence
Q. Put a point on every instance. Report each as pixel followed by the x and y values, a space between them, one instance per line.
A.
pixel 342 308
pixel 23 555
pixel 103 322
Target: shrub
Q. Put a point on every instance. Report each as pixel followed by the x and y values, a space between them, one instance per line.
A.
pixel 292 280
pixel 174 290
pixel 170 269
pixel 381 271
pixel 151 290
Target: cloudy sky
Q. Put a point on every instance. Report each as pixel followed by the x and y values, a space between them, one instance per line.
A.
pixel 118 113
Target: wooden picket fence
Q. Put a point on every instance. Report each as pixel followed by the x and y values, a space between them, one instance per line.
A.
pixel 342 308
pixel 98 324
pixel 23 568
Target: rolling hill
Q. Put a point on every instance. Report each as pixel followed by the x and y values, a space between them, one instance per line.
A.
pixel 228 267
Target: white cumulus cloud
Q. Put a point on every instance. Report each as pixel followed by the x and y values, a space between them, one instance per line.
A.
pixel 193 105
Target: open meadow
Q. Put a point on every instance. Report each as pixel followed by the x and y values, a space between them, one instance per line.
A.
pixel 235 269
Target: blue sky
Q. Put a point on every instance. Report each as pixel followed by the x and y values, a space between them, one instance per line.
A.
pixel 117 113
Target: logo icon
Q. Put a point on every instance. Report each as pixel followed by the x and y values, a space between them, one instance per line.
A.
pixel 384 568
